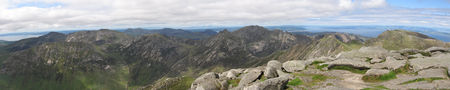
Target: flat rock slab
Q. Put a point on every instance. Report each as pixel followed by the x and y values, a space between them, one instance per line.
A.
pixel 442 60
pixel 270 84
pixel 351 62
pixel 250 77
pixel 294 65
pixel 427 73
pixel 390 64
pixel 377 72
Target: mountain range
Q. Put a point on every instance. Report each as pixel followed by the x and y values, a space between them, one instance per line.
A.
pixel 171 58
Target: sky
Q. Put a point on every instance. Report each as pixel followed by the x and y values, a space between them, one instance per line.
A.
pixel 47 15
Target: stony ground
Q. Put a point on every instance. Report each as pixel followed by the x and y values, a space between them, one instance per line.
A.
pixel 369 68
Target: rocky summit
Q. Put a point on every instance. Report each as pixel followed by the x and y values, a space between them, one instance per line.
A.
pixel 247 58
pixel 347 71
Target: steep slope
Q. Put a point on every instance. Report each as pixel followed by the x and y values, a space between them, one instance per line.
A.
pixel 61 65
pixel 245 45
pixel 31 42
pixel 172 32
pixel 323 45
pixel 100 37
pixel 401 39
pixel 151 57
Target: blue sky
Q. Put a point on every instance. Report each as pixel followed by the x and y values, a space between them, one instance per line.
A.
pixel 45 15
pixel 420 3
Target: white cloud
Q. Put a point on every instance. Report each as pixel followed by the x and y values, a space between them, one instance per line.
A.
pixel 86 14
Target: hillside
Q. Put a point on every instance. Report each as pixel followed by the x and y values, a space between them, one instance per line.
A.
pixel 108 59
pixel 401 39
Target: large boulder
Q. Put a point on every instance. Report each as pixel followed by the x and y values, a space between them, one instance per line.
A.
pixel 294 65
pixel 231 74
pixel 270 72
pixel 208 81
pixel 250 77
pixel 278 83
pixel 275 64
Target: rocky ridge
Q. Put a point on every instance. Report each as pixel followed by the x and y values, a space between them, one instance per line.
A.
pixel 347 71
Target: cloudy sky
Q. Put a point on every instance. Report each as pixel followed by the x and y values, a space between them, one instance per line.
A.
pixel 45 15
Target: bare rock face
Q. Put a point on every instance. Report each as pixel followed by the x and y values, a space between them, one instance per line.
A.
pixel 390 64
pixel 232 74
pixel 208 81
pixel 441 60
pixel 351 62
pixel 377 72
pixel 294 65
pixel 275 64
pixel 270 72
pixel 271 84
pixel 428 73
pixel 250 77
pixel 435 49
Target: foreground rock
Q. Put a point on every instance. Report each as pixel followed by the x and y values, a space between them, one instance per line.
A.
pixel 270 84
pixel 389 70
pixel 294 65
pixel 209 81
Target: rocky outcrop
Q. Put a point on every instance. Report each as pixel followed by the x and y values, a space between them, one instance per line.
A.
pixel 209 81
pixel 250 77
pixel 294 65
pixel 278 83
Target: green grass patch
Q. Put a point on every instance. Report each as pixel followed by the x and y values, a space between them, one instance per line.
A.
pixel 379 78
pixel 295 82
pixel 350 68
pixel 319 77
pixel 263 78
pixel 321 66
pixel 317 62
pixel 405 70
pixel 428 54
pixel 184 83
pixel 368 59
pixel 380 87
pixel 422 79
pixel 234 82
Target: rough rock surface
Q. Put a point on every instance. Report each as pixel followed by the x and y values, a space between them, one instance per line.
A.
pixel 250 77
pixel 377 72
pixel 428 72
pixel 441 60
pixel 294 65
pixel 271 84
pixel 275 64
pixel 351 62
pixel 208 81
pixel 270 72
pixel 390 64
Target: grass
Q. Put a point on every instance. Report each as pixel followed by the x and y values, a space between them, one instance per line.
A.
pixel 422 79
pixel 319 78
pixel 379 78
pixel 263 78
pixel 184 83
pixel 428 54
pixel 350 68
pixel 317 62
pixel 295 82
pixel 380 87
pixel 321 66
pixel 404 70
pixel 368 59
pixel 234 82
